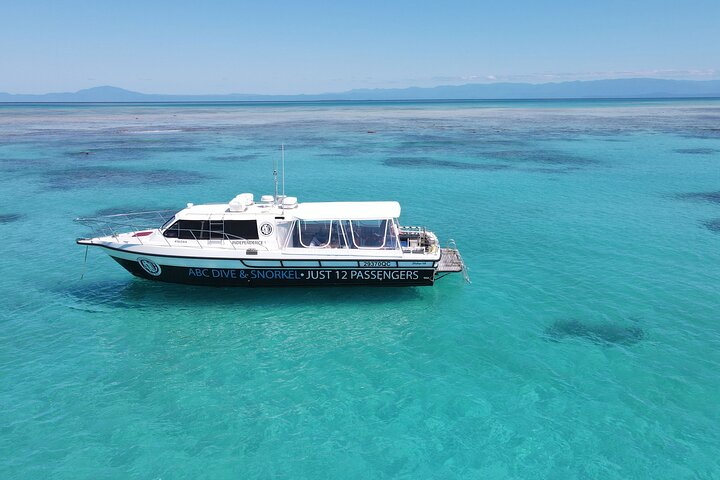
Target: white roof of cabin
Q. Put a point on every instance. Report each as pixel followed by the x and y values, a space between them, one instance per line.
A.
pixel 345 210
pixel 304 211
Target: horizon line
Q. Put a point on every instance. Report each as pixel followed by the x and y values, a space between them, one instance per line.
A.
pixel 399 100
pixel 370 89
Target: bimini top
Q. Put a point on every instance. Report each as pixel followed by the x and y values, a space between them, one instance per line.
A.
pixel 346 210
pixel 291 209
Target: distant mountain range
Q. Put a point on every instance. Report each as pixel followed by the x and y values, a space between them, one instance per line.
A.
pixel 618 88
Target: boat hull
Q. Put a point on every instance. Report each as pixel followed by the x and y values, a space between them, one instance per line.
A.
pixel 154 269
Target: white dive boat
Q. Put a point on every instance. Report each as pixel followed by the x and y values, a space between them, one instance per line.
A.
pixel 276 241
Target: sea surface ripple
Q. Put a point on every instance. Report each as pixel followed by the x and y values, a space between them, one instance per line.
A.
pixel 587 346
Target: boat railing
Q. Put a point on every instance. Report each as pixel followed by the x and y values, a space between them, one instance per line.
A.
pixel 412 230
pixel 118 223
pixel 411 239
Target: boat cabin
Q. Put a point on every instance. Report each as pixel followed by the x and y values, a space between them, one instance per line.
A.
pixel 285 224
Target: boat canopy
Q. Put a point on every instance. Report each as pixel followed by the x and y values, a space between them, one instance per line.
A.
pixel 347 211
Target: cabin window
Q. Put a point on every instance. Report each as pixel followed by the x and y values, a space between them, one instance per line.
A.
pixel 318 234
pixel 244 229
pixel 314 234
pixel 188 230
pixel 213 230
pixel 283 232
pixel 372 234
pixel 363 234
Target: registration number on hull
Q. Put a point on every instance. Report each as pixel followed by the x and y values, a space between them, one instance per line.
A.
pixel 377 263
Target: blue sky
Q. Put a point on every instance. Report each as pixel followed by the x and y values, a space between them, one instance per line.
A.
pixel 278 47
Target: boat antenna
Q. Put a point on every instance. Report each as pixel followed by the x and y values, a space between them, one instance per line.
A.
pixel 275 176
pixel 282 154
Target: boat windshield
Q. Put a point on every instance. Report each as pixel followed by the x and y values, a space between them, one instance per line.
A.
pixel 168 223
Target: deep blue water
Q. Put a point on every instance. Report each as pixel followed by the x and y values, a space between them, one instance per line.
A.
pixel 587 346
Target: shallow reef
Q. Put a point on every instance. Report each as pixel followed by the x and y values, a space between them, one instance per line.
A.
pixel 712 197
pixel 236 158
pixel 9 217
pixel 549 157
pixel 92 176
pixel 427 162
pixel 601 333
pixel 696 151
pixel 713 225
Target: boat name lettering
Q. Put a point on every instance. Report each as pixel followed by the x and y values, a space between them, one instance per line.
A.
pixel 277 275
pixel 381 275
pixel 378 275
pixel 247 242
pixel 216 273
pixel 310 274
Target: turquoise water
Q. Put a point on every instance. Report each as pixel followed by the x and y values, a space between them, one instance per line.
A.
pixel 587 346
